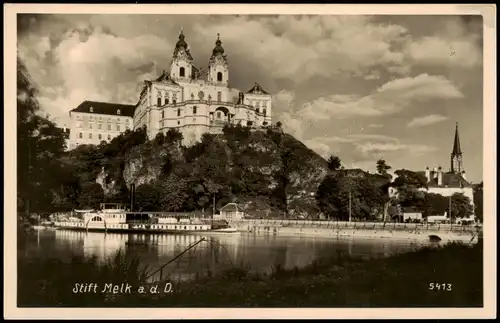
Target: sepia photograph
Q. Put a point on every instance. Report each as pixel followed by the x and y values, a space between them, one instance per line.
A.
pixel 330 159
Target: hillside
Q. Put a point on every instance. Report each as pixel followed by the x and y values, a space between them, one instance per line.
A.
pixel 263 171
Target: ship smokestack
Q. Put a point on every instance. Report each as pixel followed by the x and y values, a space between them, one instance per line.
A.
pixel 132 197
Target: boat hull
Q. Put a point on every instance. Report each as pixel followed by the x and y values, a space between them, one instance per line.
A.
pixel 142 230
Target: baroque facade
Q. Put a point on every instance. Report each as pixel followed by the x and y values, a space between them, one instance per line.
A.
pixel 197 102
pixel 191 100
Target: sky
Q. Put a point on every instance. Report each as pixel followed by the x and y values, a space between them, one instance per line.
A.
pixel 359 87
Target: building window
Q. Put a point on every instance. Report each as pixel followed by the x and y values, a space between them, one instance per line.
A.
pixel 80 135
pixel 162 114
pixel 258 110
pixel 218 114
pixel 158 101
pixel 219 77
pixel 194 120
pixel 178 122
pixel 99 126
pixel 117 127
pixel 182 71
pixel 219 96
pixel 100 136
pixel 178 112
pixel 166 100
pixel 127 121
pixel 109 127
pixel 91 109
pixel 90 125
pixel 90 135
pixel 109 137
pixel 264 112
pixel 194 110
pixel 174 101
pixel 118 111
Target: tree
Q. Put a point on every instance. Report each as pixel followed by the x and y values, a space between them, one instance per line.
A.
pixel 174 136
pixel 344 192
pixel 39 145
pixel 289 161
pixel 91 195
pixel 461 206
pixel 174 194
pixel 382 168
pixel 160 138
pixel 279 124
pixel 434 204
pixel 148 197
pixel 334 163
pixel 405 188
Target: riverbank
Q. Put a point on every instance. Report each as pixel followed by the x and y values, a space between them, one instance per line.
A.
pixel 363 230
pixel 398 281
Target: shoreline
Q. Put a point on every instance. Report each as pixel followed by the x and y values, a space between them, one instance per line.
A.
pixel 365 230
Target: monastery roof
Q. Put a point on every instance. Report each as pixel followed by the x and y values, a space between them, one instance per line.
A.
pixel 107 108
pixel 451 180
pixel 257 89
pixel 165 78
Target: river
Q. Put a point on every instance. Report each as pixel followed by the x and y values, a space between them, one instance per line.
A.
pixel 258 252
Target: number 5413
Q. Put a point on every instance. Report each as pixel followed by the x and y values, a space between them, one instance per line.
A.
pixel 440 286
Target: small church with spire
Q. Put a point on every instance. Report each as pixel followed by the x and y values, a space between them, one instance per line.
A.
pixel 196 100
pixel 454 180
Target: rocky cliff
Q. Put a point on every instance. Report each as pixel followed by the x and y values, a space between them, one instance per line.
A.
pixel 268 171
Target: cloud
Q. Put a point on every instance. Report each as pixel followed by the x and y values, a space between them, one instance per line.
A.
pixel 426 121
pixel 282 101
pixel 391 97
pixel 375 125
pixel 292 125
pixel 456 44
pixel 379 147
pixel 366 148
pixel 91 63
pixel 299 47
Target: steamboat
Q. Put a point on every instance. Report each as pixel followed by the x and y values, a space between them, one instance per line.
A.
pixel 117 217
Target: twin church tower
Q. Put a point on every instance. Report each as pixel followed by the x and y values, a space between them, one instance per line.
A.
pixel 196 101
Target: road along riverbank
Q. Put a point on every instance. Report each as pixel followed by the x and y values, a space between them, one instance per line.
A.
pixel 375 230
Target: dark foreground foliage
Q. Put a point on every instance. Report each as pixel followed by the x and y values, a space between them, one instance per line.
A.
pixel 397 281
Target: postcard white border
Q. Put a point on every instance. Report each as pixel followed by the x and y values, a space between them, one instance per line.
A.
pixel 489 161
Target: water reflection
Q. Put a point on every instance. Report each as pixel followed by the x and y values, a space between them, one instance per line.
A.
pixel 256 252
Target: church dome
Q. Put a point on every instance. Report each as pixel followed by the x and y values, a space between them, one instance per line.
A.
pixel 181 43
pixel 218 48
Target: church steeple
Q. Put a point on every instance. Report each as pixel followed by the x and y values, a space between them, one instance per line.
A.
pixel 456 154
pixel 181 66
pixel 217 65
